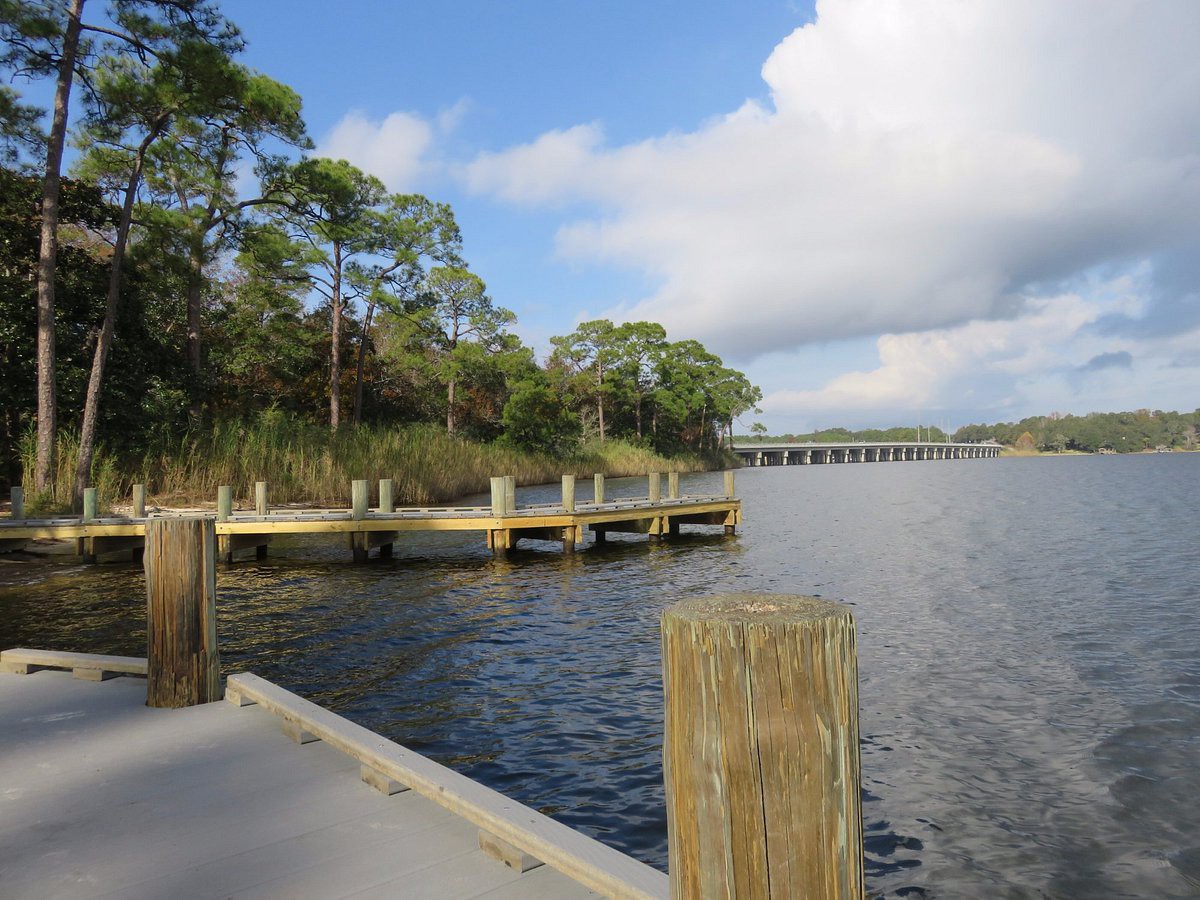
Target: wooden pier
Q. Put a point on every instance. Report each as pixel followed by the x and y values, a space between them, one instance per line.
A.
pixel 503 523
pixel 105 793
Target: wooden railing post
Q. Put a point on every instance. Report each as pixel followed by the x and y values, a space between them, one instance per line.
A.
pixel 761 757
pixel 387 503
pixel 17 496
pixel 360 493
pixel 510 493
pixel 260 499
pixel 498 537
pixel 139 501
pixel 729 492
pixel 673 485
pixel 654 486
pixel 568 493
pixel 184 667
pixel 599 482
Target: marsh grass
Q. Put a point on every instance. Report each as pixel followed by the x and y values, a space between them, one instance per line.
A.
pixel 308 464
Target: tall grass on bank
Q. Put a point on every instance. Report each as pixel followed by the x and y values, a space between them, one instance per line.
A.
pixel 309 464
pixel 106 476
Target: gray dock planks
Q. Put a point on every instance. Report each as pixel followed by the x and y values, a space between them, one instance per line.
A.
pixel 102 796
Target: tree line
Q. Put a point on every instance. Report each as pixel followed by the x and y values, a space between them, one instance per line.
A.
pixel 146 293
pixel 1121 432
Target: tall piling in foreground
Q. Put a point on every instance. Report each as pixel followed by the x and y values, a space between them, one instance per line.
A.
pixel 761 757
pixel 184 667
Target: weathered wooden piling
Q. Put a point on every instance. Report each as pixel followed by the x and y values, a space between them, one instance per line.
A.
pixel 139 501
pixel 672 485
pixel 510 493
pixel 184 667
pixel 224 511
pixel 260 498
pixel 497 538
pixel 89 504
pixel 729 494
pixel 570 533
pixel 84 546
pixel 761 756
pixel 598 497
pixel 387 504
pixel 654 487
pixel 16 496
pixel 360 493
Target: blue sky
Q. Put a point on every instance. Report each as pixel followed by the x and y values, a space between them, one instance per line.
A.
pixel 882 211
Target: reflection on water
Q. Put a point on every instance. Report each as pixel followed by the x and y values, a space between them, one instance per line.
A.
pixel 1029 658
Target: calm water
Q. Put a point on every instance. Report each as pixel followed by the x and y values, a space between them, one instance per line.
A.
pixel 1029 655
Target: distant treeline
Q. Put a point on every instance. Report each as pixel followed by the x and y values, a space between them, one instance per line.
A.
pixel 1122 432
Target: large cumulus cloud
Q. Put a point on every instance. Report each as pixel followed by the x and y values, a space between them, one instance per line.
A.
pixel 917 166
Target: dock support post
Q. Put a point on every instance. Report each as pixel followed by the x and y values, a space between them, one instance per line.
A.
pixel 510 493
pixel 183 665
pixel 498 537
pixel 729 494
pixel 761 756
pixel 387 504
pixel 224 511
pixel 136 554
pixel 568 493
pixel 673 485
pixel 568 502
pixel 654 487
pixel 85 546
pixel 17 496
pixel 359 498
pixel 598 480
pixel 261 508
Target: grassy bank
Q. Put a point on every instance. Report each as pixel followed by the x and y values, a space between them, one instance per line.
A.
pixel 305 463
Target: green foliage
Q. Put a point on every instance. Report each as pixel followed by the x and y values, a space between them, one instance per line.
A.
pixel 536 419
pixel 1121 432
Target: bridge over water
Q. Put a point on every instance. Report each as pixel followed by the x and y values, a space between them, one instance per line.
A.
pixel 803 454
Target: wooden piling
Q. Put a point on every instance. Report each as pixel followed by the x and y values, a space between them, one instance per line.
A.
pixel 599 489
pixel 17 497
pixel 654 487
pixel 568 493
pixel 761 757
pixel 510 493
pixel 498 492
pixel 360 493
pixel 224 503
pixel 139 501
pixel 387 504
pixel 184 667
pixel 224 511
pixel 89 504
pixel 729 492
pixel 673 485
pixel 260 499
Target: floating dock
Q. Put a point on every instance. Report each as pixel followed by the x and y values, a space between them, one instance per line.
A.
pixel 267 795
pixel 503 523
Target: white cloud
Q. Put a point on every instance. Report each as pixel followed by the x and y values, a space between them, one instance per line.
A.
pixel 397 149
pixel 920 166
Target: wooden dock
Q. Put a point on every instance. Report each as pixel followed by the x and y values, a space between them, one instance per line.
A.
pixel 504 523
pixel 102 796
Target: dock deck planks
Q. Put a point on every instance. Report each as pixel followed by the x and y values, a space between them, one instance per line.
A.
pixel 103 796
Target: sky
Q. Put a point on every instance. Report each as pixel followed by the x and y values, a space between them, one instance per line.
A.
pixel 883 212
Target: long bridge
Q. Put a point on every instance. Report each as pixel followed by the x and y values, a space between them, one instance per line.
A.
pixel 803 454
